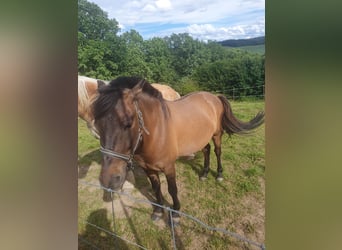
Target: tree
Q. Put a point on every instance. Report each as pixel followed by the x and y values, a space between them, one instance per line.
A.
pixel 98 44
pixel 240 74
pixel 186 53
pixel 93 22
pixel 158 59
pixel 91 60
pixel 134 62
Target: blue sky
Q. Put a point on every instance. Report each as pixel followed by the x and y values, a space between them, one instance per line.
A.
pixel 203 19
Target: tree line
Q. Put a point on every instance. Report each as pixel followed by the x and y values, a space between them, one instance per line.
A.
pixel 178 60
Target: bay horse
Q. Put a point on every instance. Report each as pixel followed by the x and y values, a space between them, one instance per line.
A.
pixel 87 93
pixel 136 123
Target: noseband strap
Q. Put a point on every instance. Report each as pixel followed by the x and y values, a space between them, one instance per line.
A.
pixel 124 157
pixel 115 154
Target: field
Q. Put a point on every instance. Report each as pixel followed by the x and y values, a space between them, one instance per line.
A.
pixel 235 204
pixel 260 49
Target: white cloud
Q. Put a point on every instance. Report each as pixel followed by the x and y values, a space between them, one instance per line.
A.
pixel 201 29
pixel 149 8
pixel 177 11
pixel 163 4
pixel 218 32
pixel 160 5
pixel 210 32
pixel 204 19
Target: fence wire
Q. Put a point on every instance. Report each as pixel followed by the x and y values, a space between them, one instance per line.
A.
pixel 234 93
pixel 170 211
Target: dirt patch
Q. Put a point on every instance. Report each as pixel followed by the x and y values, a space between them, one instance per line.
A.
pixel 126 202
pixel 252 223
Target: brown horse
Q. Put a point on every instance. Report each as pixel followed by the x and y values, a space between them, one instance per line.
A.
pixel 135 122
pixel 87 93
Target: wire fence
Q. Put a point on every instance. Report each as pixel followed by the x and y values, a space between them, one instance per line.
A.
pixel 235 93
pixel 172 226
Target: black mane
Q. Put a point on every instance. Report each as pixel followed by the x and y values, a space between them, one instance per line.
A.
pixel 111 93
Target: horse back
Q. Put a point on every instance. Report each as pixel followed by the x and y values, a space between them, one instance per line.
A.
pixel 168 93
pixel 195 118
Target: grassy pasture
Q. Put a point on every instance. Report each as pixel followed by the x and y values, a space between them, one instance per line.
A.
pixel 236 204
pixel 260 49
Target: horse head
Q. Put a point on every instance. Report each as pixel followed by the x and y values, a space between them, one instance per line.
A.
pixel 116 118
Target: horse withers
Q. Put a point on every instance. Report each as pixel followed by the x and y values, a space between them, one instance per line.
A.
pixel 136 123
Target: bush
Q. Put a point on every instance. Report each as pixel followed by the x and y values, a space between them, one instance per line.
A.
pixel 186 85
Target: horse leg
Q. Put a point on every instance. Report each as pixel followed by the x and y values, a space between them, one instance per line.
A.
pixel 155 181
pixel 217 143
pixel 206 153
pixel 170 174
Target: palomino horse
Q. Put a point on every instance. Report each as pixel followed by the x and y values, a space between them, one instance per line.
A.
pixel 87 92
pixel 135 122
pixel 167 92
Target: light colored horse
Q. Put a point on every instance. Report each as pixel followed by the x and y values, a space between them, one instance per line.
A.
pixel 87 93
pixel 167 92
pixel 135 122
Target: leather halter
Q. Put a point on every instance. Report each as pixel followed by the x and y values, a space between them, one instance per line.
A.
pixel 125 157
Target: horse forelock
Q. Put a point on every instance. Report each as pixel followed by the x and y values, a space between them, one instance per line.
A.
pixel 109 94
pixel 105 102
pixel 130 82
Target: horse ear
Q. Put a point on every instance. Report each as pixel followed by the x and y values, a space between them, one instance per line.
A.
pixel 100 83
pixel 138 88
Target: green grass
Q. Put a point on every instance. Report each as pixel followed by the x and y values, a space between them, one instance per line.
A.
pixel 236 203
pixel 260 49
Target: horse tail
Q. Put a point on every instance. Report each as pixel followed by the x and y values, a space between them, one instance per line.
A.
pixel 232 125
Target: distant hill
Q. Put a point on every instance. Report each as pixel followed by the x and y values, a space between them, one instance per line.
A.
pixel 254 45
pixel 243 42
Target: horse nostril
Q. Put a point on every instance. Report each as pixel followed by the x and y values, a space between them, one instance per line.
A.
pixel 115 182
pixel 116 179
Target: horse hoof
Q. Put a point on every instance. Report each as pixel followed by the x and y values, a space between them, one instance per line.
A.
pixel 156 216
pixel 203 178
pixel 219 179
pixel 175 221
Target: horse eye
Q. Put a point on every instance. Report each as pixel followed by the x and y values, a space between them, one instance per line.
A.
pixel 128 122
pixel 128 125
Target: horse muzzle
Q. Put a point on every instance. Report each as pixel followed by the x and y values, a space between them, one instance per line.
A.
pixel 112 181
pixel 116 182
